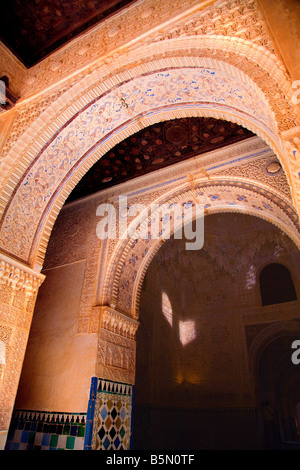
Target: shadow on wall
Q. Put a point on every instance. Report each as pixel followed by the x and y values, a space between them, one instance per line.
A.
pixel 193 387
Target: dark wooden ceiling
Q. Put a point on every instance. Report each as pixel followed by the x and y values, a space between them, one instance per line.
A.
pixel 32 29
pixel 156 147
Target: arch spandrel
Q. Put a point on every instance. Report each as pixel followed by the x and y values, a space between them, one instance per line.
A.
pixel 27 221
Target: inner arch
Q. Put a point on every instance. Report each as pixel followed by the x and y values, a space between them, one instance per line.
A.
pixel 228 195
pixel 158 146
pixel 200 314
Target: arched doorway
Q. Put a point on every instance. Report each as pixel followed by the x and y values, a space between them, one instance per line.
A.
pixel 105 276
pixel 173 92
pixel 278 388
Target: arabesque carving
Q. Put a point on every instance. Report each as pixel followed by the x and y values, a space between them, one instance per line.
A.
pixel 18 289
pixel 116 346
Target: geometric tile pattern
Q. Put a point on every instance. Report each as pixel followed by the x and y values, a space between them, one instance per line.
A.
pixel 112 418
pixel 37 430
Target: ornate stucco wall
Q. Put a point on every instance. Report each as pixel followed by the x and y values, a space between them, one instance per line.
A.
pixel 86 84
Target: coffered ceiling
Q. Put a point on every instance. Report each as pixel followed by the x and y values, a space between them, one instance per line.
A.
pixel 32 29
pixel 158 146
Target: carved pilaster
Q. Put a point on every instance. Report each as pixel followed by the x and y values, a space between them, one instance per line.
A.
pixel 16 280
pixel 18 289
pixel 116 346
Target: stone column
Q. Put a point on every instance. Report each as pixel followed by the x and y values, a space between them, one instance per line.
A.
pixel 18 289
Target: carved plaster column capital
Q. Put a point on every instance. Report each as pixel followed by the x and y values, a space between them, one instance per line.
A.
pixel 18 276
pixel 117 322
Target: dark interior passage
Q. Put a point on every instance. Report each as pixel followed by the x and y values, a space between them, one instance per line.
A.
pixel 200 315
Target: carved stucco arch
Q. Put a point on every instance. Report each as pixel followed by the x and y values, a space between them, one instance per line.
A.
pixel 122 282
pixel 261 65
pixel 225 93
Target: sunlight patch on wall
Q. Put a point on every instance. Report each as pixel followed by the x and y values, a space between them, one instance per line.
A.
pixel 167 308
pixel 187 332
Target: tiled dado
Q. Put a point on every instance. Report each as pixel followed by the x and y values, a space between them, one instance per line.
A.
pixel 38 430
pixel 105 426
pixel 110 406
